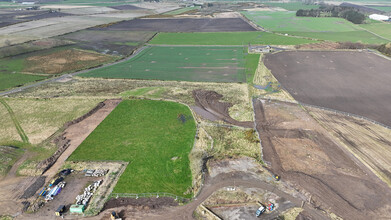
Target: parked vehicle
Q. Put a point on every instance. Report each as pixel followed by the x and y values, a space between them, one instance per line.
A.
pixel 259 211
pixel 60 210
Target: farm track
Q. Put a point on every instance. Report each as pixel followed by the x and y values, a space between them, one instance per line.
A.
pixel 18 127
pixel 76 133
pixel 212 185
pixel 326 187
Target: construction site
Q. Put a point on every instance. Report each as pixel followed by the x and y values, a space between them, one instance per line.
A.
pixel 193 110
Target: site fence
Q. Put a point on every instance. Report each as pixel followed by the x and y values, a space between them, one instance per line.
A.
pixel 149 195
pixel 346 113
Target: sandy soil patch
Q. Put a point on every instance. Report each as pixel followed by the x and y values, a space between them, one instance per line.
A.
pixel 313 162
pixel 64 61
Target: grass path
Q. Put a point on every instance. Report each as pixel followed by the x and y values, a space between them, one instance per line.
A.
pixel 19 128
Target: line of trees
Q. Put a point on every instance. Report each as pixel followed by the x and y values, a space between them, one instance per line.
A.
pixel 348 13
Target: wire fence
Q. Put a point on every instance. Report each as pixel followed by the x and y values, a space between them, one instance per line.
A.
pixel 149 195
pixel 330 110
pixel 346 113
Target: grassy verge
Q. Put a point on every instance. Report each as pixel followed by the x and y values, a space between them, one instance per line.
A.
pixel 154 136
pixel 40 118
pixel 18 127
pixel 8 156
pixel 235 93
pixel 233 142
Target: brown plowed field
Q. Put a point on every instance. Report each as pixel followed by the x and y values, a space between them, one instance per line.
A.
pixel 210 102
pixel 353 82
pixel 183 25
pixel 304 155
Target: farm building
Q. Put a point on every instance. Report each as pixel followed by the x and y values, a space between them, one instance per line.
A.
pixel 378 17
pixel 260 49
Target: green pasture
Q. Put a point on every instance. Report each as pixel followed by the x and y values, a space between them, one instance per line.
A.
pixel 381 8
pixel 10 80
pixel 205 64
pixel 292 6
pixel 381 28
pixel 226 38
pixel 287 21
pixel 182 10
pixel 323 28
pixel 152 138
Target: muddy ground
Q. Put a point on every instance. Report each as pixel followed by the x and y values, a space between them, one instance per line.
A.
pixel 210 107
pixel 75 184
pixel 301 152
pixel 182 25
pixel 109 42
pixel 243 172
pixel 126 7
pixel 9 17
pixel 354 82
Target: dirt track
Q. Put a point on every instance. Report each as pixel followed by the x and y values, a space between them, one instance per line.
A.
pixel 354 82
pixel 76 133
pixel 211 185
pixel 209 101
pixel 314 163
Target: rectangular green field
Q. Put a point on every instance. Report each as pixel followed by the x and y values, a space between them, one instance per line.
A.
pixel 292 6
pixel 155 137
pixel 322 28
pixel 205 64
pixel 226 38
pixel 10 80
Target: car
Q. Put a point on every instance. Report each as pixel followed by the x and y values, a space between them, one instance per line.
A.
pixel 259 211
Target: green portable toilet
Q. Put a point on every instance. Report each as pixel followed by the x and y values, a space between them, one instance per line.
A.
pixel 77 209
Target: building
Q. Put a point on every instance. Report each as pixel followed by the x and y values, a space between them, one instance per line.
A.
pixel 378 17
pixel 260 49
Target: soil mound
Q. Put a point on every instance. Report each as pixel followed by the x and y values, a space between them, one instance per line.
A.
pixel 210 102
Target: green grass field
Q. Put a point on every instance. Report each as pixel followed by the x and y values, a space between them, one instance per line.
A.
pixel 334 29
pixel 150 136
pixel 292 6
pixel 251 65
pixel 182 10
pixel 381 28
pixel 384 8
pixel 10 80
pixel 205 64
pixel 226 38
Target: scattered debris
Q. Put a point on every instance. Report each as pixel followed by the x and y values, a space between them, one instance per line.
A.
pixel 97 173
pixel 89 191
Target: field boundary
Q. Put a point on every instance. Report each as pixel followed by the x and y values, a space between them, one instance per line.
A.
pixel 345 114
pixel 147 195
pixel 18 127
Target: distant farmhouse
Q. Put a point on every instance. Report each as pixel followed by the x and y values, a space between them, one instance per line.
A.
pixel 378 17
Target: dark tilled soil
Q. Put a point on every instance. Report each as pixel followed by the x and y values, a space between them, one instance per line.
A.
pixel 47 15
pixel 353 82
pixel 304 216
pixel 210 102
pixel 151 203
pixel 34 187
pixel 337 183
pixel 125 7
pixel 183 25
